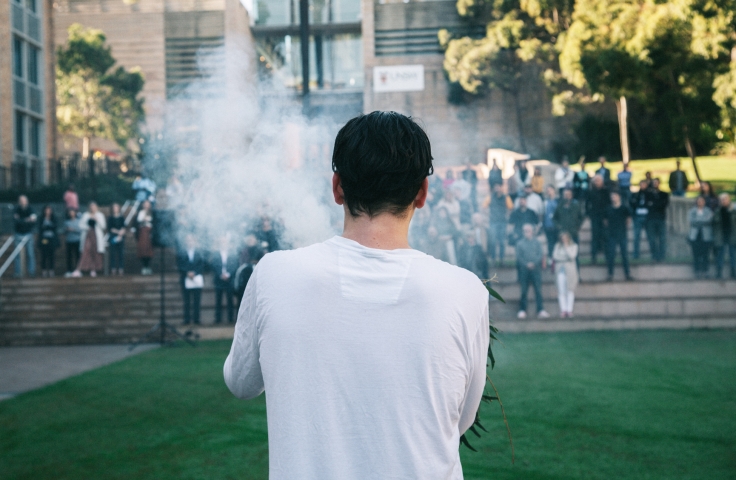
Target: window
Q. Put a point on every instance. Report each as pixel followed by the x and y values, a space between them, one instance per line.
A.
pixel 17 57
pixel 31 5
pixel 33 65
pixel 35 137
pixel 20 132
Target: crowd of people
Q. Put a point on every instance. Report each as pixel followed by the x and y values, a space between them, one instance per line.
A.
pixel 90 236
pixel 522 211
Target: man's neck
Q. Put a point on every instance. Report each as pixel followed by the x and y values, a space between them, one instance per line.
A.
pixel 384 231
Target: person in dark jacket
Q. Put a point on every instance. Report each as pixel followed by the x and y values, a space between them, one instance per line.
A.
pixel 678 182
pixel 116 230
pixel 48 240
pixel 617 225
pixel 224 264
pixel 520 217
pixel 190 262
pixel 499 213
pixel 72 237
pixel 724 234
pixel 495 176
pixel 604 172
pixel 24 221
pixel 639 211
pixel 656 221
pixel 706 191
pixel 599 200
pixel 266 233
pixel 581 185
pixel 471 256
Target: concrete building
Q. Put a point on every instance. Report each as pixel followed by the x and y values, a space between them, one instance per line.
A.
pixel 27 110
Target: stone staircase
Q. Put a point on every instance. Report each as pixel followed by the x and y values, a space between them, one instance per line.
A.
pixel 46 311
pixel 662 296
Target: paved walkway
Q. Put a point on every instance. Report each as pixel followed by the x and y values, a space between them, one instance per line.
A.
pixel 27 368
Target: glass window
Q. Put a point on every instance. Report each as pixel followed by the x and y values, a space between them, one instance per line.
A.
pixel 35 137
pixel 335 61
pixel 286 12
pixel 33 65
pixel 20 132
pixel 17 57
pixel 31 5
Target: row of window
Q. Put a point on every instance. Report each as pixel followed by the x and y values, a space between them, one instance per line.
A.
pixel 27 134
pixel 30 4
pixel 32 59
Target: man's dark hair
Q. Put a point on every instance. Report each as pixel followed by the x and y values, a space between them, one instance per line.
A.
pixel 382 159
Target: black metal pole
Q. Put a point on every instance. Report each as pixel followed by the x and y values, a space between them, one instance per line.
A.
pixel 304 39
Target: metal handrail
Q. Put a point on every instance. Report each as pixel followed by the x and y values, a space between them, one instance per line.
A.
pixel 132 212
pixel 6 245
pixel 15 253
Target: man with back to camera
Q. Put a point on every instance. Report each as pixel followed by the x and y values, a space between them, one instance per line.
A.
pixel 373 355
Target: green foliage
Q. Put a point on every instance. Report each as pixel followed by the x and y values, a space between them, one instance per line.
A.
pixel 93 99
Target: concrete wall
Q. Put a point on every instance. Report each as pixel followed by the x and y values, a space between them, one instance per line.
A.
pixel 457 131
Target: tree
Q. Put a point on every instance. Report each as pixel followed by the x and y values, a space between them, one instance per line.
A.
pixel 658 54
pixel 518 34
pixel 93 98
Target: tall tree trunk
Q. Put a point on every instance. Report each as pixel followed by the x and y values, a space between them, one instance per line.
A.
pixel 685 131
pixel 519 122
pixel 623 128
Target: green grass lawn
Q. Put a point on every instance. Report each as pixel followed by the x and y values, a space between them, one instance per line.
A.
pixel 585 405
pixel 721 171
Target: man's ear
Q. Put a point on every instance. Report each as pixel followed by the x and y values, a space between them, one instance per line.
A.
pixel 421 197
pixel 337 189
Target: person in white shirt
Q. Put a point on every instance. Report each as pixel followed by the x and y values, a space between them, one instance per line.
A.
pixel 372 354
pixel 533 201
pixel 564 177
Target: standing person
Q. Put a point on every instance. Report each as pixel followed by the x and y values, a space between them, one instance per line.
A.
pixel 700 236
pixel 93 225
pixel 144 244
pixel 515 184
pixel 564 177
pixel 449 179
pixel 145 189
pixel 190 263
pixel 565 255
pixel 499 212
pixel 603 171
pixel 534 201
pixel 495 176
pixel 656 221
pixel 321 325
pixel 568 216
pixel 48 240
pixel 471 256
pixel 598 202
pixel 448 233
pixel 724 234
pixel 72 237
pixel 24 221
pixel 537 182
pixel 706 191
pixel 116 227
pixel 530 261
pixel 617 218
pixel 548 219
pixel 519 217
pixel 648 178
pixel 581 185
pixel 224 265
pixel 480 232
pixel 452 206
pixel 471 176
pixel 71 199
pixel 462 191
pixel 640 212
pixel 267 235
pixel 678 181
pixel 624 184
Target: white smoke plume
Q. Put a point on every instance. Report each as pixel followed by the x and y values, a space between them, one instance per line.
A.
pixel 241 155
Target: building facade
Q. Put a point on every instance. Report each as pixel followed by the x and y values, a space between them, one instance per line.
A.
pixel 27 112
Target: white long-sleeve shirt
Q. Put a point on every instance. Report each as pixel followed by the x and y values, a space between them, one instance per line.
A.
pixel 373 361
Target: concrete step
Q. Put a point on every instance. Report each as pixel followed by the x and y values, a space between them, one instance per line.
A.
pixel 615 323
pixel 599 273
